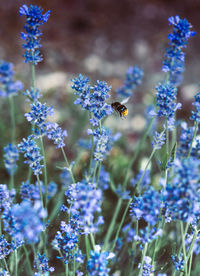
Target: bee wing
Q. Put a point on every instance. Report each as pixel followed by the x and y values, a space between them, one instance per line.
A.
pixel 125 100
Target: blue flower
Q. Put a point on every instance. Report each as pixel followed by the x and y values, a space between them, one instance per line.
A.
pixel 147 267
pixel 158 140
pixel 6 197
pixel 32 153
pixel 34 19
pixel 85 202
pixel 55 133
pixel 147 235
pixel 38 114
pixel 8 86
pixel 92 98
pixel 11 156
pixel 31 192
pixel 147 206
pixel 166 101
pixel 175 57
pixel 66 241
pixel 181 197
pixel 196 114
pixel 98 263
pixel 5 248
pixel 33 94
pixel 134 77
pixel 41 264
pixel 103 140
pixel 144 185
pixel 185 142
pixel 4 272
pixel 178 262
pixel 23 221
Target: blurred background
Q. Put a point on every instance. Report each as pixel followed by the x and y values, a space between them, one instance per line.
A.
pixel 100 39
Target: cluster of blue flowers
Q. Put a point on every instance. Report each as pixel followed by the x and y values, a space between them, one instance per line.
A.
pixel 41 265
pixel 24 221
pixel 133 79
pixel 92 98
pixel 34 19
pixel 8 86
pixel 32 152
pixel 196 114
pixel 98 262
pixel 175 57
pixel 66 242
pixel 85 202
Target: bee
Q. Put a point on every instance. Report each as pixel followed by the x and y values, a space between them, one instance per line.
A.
pixel 120 108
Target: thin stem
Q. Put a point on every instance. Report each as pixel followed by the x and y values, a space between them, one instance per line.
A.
pixel 92 240
pixel 12 115
pixel 66 269
pixel 167 137
pixel 6 266
pixel 193 137
pixel 45 172
pixel 68 166
pixel 33 76
pixel 98 173
pixel 112 224
pixel 94 172
pixel 27 259
pixel 143 256
pixel 40 190
pixel 139 147
pixel 120 225
pixel 16 262
pixel 87 246
pixel 184 250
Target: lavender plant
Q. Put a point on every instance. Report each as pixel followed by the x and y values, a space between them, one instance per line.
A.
pixel 99 220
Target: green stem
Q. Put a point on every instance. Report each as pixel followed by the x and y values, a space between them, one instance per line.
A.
pixel 139 147
pixel 16 262
pixel 92 240
pixel 193 137
pixel 27 259
pixel 6 266
pixel 98 173
pixel 66 270
pixel 120 225
pixel 112 224
pixel 167 137
pixel 184 250
pixel 33 76
pixel 94 172
pixel 45 171
pixel 68 166
pixel 87 246
pixel 143 256
pixel 12 115
pixel 40 190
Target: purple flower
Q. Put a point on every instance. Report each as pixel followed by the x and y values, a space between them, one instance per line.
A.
pixel 41 264
pixel 6 197
pixel 178 262
pixel 55 133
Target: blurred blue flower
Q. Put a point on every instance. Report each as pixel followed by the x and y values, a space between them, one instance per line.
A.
pixel 144 185
pixel 11 156
pixel 147 206
pixel 175 57
pixel 98 263
pixel 32 153
pixel 6 197
pixel 181 196
pixel 196 114
pixel 8 86
pixel 34 19
pixel 178 262
pixel 158 140
pixel 85 202
pixel 134 77
pixel 24 221
pixel 147 267
pixel 41 265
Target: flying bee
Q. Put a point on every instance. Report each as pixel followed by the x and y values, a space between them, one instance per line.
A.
pixel 120 108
